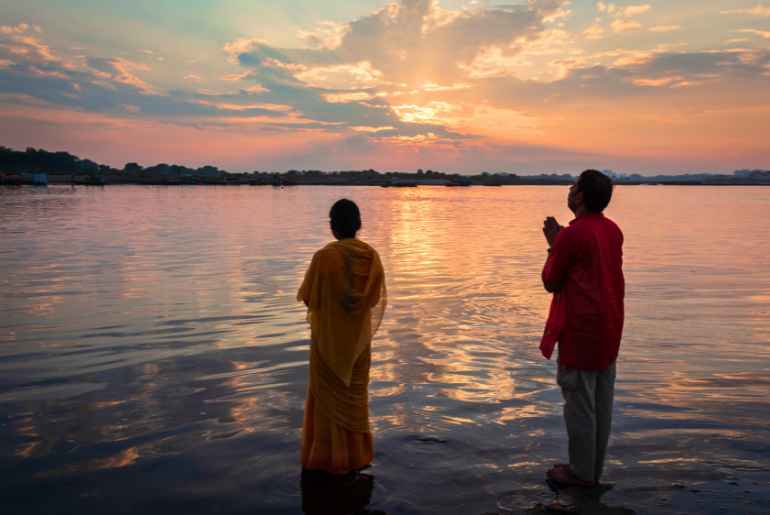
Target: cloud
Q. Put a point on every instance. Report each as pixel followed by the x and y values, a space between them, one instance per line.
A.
pixel 665 28
pixel 240 46
pixel 353 76
pixel 758 10
pixel 626 12
pixel 416 40
pixel 559 15
pixel 543 59
pixel 634 10
pixel 121 71
pixel 22 42
pixel 620 17
pixel 603 7
pixel 105 85
pixel 621 25
pixel 660 82
pixel 234 77
pixel 346 72
pixel 411 79
pixel 328 35
pixel 35 75
pixel 433 112
pixel 343 98
pixel 710 65
pixel 625 76
pixel 760 33
pixel 594 31
pixel 657 92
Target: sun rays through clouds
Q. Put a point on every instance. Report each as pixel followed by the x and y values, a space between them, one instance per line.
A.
pixel 457 85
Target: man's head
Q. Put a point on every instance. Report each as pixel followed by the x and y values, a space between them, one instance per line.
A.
pixel 591 193
pixel 344 219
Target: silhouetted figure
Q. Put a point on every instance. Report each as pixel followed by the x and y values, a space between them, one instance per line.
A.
pixel 344 291
pixel 584 272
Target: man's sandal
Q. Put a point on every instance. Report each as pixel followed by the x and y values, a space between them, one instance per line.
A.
pixel 565 477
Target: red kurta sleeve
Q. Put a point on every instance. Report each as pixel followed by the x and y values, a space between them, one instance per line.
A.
pixel 559 261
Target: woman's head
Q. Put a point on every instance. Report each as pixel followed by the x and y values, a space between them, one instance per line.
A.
pixel 345 219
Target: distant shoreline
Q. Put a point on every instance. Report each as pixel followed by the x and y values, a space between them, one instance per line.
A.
pixel 58 182
pixel 40 167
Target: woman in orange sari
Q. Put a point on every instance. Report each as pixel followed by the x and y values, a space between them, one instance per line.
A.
pixel 344 291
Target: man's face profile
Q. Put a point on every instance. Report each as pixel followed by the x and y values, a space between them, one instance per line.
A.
pixel 572 198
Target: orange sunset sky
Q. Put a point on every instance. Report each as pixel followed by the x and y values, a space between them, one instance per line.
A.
pixel 458 86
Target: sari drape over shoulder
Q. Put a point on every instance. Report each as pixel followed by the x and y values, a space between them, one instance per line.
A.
pixel 344 290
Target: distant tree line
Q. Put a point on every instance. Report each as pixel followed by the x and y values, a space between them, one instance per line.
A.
pixel 63 163
pixel 38 160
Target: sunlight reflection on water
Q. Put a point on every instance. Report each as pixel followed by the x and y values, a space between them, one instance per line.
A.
pixel 153 334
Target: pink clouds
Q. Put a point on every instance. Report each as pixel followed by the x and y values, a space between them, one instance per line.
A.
pixel 22 41
pixel 115 141
pixel 413 80
pixel 121 71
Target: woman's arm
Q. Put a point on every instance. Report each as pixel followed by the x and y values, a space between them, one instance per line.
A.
pixel 310 284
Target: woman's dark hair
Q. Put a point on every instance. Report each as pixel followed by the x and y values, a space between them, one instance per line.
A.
pixel 596 189
pixel 345 218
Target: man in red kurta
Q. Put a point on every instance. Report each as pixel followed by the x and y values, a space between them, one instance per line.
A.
pixel 584 271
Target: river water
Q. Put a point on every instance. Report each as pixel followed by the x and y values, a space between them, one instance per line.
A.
pixel 153 358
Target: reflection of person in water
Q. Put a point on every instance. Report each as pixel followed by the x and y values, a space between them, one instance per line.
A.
pixel 344 290
pixel 323 494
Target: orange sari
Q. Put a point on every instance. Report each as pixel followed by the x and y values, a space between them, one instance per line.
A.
pixel 344 290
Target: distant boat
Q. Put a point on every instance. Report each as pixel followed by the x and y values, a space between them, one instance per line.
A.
pixel 39 179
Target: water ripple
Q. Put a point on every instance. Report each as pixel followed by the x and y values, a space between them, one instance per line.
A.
pixel 151 336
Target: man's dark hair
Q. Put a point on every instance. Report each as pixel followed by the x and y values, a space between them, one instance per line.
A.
pixel 345 218
pixel 596 189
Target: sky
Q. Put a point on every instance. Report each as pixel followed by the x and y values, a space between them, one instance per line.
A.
pixel 453 85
